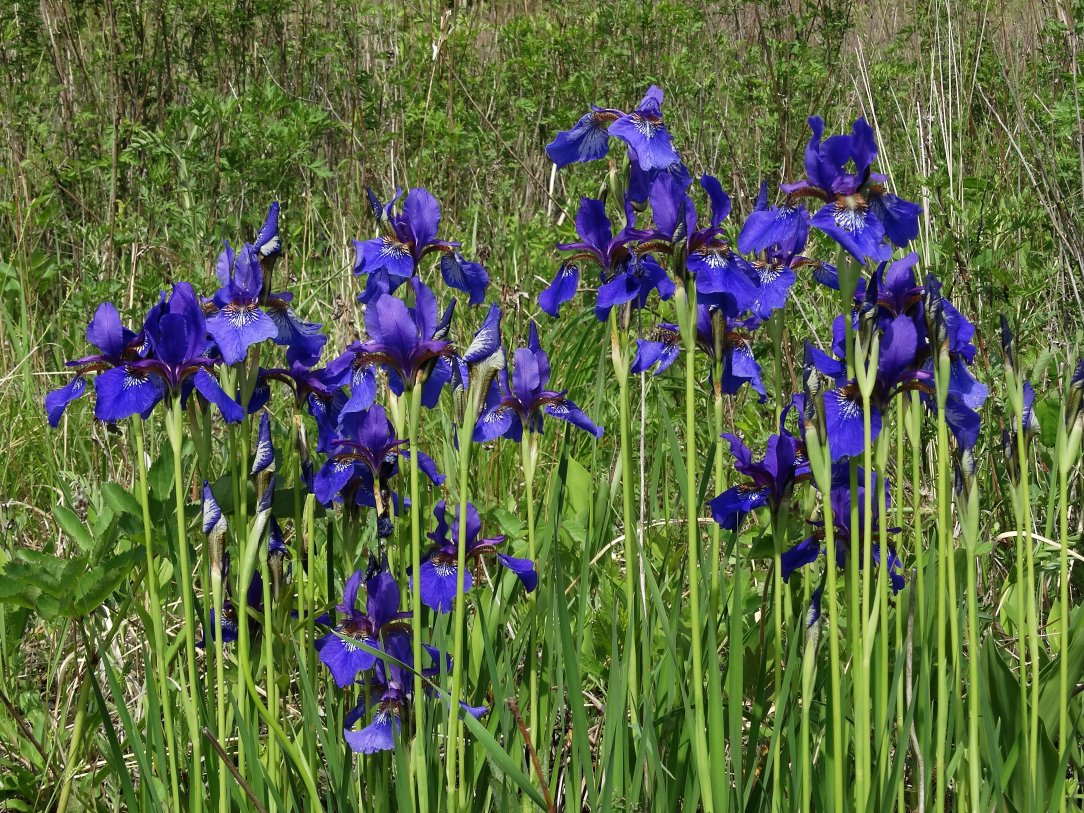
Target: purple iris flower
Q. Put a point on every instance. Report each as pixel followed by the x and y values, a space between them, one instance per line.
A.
pixel 723 278
pixel 439 568
pixel 116 343
pixel 782 257
pixel 808 550
pixel 649 142
pixel 739 366
pixel 403 340
pixel 367 450
pixel 858 212
pixel 407 237
pixel 381 626
pixel 770 480
pixel 626 275
pixel 244 312
pixel 903 348
pixel 176 334
pixel 511 408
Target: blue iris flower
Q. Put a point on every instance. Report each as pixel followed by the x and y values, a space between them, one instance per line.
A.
pixel 439 569
pixel 857 212
pixel 650 147
pixel 739 366
pixel 176 360
pixel 627 276
pixel 407 236
pixel 116 345
pixel 723 277
pixel 511 408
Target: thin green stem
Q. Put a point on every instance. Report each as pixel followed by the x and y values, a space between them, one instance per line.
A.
pixel 73 744
pixel 418 754
pixel 687 318
pixel 457 796
pixel 176 438
pixel 154 611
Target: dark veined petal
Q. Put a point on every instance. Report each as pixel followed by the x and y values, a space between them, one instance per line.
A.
pixel 209 388
pixel 212 513
pixel 623 288
pixel 802 554
pixel 350 593
pixel 493 423
pixel 425 310
pixel 843 421
pixel 57 400
pixel 236 327
pixel 362 391
pixel 345 661
pixel 776 226
pixel 106 332
pixel 588 140
pixel 438 582
pixel 303 340
pixel 856 229
pixel 224 266
pixel 378 283
pixel 378 736
pixel 386 253
pixel 391 328
pixel 739 368
pixel 523 568
pixel 464 275
pixel 126 391
pixel 561 290
pixel 593 225
pixel 381 597
pixel 565 410
pixel 427 466
pixel 649 353
pixel 899 343
pixel 643 130
pixel 331 479
pixel 440 375
pixel 527 380
pixel 775 285
pixel 719 200
pixel 732 506
pixel 820 174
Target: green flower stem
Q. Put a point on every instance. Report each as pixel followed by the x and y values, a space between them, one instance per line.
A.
pixel 419 746
pixel 862 562
pixel 457 796
pixel 618 350
pixel 217 596
pixel 716 726
pixel 176 438
pixel 268 645
pixel 686 309
pixel 154 610
pixel 968 510
pixel 529 454
pixel 946 593
pixel 809 675
pixel 820 462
